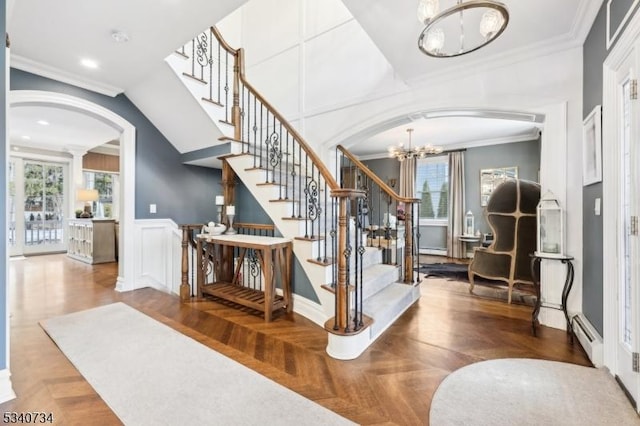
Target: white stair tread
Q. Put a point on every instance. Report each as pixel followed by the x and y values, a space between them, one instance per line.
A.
pixel 386 298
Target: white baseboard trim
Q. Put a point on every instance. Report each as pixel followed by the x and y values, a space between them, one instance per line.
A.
pixel 309 309
pixel 121 285
pixel 436 252
pixel 589 339
pixel 6 388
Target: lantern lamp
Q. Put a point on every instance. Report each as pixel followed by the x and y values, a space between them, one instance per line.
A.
pixel 550 218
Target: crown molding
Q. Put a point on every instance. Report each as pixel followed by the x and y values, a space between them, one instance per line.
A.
pixel 584 19
pixel 501 60
pixel 34 67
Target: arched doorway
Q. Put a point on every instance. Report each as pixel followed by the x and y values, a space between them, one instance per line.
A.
pixel 127 243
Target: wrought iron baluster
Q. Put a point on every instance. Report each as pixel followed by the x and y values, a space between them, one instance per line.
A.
pixel 361 252
pixel 395 248
pixel 286 172
pixel 313 205
pixel 280 165
pixel 334 265
pixel 255 130
pixel 193 57
pixel 347 255
pixel 306 197
pixel 211 39
pixel 417 239
pixel 219 73
pixel 293 177
pixel 261 126
pixel 302 172
pixel 325 260
pixel 241 119
pixel 267 147
pixel 226 87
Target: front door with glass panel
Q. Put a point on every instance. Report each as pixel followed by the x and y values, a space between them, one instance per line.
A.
pixel 38 205
pixel 628 342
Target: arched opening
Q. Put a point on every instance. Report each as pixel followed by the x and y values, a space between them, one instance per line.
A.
pixel 127 243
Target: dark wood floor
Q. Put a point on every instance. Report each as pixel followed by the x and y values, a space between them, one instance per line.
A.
pixel 391 383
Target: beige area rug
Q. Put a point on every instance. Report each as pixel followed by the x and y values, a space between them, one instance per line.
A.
pixel 530 392
pixel 149 374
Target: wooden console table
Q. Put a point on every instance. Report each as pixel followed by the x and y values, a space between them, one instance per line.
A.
pixel 275 257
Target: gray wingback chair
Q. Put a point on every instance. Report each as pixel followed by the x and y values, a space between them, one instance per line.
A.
pixel 511 214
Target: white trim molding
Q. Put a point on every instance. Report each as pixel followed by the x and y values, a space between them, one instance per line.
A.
pixel 628 42
pixel 6 389
pixel 612 38
pixel 158 257
pixel 34 67
pixel 127 166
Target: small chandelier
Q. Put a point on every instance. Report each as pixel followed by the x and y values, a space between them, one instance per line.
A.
pixel 444 37
pixel 401 153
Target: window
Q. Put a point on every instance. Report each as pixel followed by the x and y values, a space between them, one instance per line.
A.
pixel 432 187
pixel 107 186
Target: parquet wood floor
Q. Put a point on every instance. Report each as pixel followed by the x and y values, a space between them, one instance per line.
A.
pixel 391 383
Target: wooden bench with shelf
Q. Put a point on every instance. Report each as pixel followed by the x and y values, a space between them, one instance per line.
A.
pixel 275 257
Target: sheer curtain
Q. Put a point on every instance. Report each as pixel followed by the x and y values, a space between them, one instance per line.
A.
pixel 408 178
pixel 455 248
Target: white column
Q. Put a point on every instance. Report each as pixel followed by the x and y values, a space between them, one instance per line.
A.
pixel 76 177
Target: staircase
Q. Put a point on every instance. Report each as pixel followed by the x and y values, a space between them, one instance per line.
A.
pixel 363 281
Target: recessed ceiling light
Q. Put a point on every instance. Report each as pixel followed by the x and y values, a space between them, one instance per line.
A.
pixel 26 137
pixel 89 63
pixel 15 148
pixel 42 122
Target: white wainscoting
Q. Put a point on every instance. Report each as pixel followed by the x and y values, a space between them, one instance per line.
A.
pixel 158 259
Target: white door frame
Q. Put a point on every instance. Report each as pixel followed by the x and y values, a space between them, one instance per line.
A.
pixel 628 42
pixel 128 245
pixel 20 159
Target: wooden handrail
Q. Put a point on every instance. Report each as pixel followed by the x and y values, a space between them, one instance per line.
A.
pixel 256 226
pixel 386 188
pixel 223 42
pixel 324 171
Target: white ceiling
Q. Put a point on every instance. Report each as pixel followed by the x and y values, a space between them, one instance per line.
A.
pixel 52 36
pixel 394 27
pixel 67 130
pixel 448 133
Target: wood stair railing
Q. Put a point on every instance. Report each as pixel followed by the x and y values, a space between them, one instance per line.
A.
pixel 325 211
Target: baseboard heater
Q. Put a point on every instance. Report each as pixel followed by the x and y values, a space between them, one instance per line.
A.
pixel 589 339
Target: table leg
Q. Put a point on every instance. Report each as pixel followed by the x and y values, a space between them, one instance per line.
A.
pixel 200 265
pixel 568 283
pixel 535 264
pixel 268 284
pixel 287 282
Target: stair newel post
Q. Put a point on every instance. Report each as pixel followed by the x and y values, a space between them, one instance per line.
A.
pixel 344 251
pixel 184 284
pixel 408 244
pixel 238 68
pixel 417 216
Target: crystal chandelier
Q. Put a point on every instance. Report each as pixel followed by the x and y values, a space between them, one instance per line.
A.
pixel 444 36
pixel 401 153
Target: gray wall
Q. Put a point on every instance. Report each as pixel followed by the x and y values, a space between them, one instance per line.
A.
pixel 250 211
pixel 181 192
pixel 3 196
pixel 524 155
pixel 594 54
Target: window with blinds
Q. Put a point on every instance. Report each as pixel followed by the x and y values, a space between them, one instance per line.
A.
pixel 432 188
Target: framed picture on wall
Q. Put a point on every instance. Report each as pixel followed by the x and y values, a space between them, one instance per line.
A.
pixel 592 147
